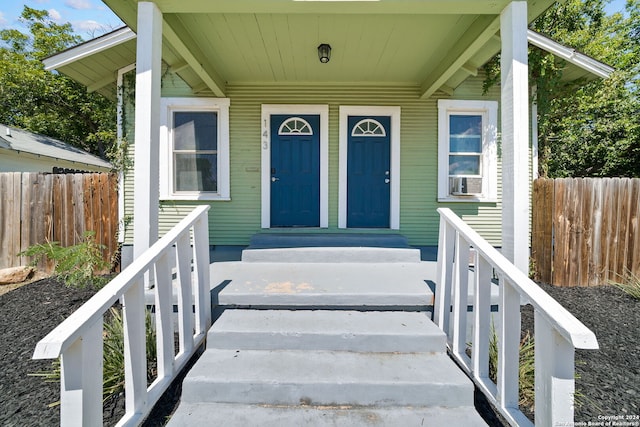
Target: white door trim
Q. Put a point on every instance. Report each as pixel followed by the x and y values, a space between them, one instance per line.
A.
pixel 394 114
pixel 265 141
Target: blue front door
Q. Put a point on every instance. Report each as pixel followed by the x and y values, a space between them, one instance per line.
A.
pixel 295 170
pixel 368 171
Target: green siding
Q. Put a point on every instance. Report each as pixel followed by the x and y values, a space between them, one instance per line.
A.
pixel 233 222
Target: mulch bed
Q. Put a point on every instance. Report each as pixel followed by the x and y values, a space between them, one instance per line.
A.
pixel 609 378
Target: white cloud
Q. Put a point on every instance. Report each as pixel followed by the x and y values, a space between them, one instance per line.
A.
pixel 89 26
pixel 78 4
pixel 55 15
pixel 3 20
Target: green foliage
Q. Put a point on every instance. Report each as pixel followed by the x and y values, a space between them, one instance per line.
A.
pixel 45 102
pixel 75 265
pixel 113 347
pixel 526 371
pixel 629 283
pixel 113 356
pixel 587 129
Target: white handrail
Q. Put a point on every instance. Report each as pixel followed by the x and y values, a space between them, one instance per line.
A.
pixel 78 339
pixel 557 332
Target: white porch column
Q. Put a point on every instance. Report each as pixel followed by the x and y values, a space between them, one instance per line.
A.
pixel 147 128
pixel 515 135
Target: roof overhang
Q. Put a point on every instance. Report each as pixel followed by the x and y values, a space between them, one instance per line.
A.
pixel 584 66
pixel 427 43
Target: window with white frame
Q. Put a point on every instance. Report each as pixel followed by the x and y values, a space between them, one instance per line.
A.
pixel 194 161
pixel 467 150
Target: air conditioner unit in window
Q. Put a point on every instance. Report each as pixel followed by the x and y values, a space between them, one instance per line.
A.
pixel 465 186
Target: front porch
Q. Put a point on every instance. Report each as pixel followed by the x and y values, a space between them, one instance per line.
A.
pixel 354 368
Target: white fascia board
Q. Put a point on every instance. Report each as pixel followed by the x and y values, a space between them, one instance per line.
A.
pixel 89 48
pixel 570 55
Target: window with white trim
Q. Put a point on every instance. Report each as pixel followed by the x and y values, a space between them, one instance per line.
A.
pixel 194 161
pixel 467 151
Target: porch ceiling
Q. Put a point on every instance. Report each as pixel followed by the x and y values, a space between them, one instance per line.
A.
pixel 429 43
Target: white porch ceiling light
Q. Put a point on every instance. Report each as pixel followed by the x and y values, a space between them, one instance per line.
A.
pixel 324 53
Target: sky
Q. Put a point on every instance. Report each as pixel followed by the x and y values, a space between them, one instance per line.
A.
pixel 91 18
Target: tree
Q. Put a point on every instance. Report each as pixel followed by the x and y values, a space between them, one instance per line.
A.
pixel 45 102
pixel 588 128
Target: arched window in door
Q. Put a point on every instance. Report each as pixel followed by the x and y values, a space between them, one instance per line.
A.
pixel 295 126
pixel 368 127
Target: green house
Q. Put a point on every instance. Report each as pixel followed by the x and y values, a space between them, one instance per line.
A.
pixel 323 116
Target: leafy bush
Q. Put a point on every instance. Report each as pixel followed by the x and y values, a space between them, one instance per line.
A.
pixel 75 265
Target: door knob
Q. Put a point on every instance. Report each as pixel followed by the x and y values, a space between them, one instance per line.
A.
pixel 274 179
pixel 387 180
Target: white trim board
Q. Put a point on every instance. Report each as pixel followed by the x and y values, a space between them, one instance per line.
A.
pixel 265 150
pixel 89 48
pixel 394 114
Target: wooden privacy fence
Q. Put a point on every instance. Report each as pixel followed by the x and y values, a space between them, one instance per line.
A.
pixel 586 231
pixel 40 207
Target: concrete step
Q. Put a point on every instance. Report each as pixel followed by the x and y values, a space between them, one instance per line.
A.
pixel 332 255
pixel 326 330
pixel 289 377
pixel 324 285
pixel 299 240
pixel 235 415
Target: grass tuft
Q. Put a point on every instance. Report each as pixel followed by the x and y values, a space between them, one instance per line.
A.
pixel 526 371
pixel 113 356
pixel 629 283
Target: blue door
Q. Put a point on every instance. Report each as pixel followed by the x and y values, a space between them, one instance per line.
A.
pixel 368 171
pixel 295 171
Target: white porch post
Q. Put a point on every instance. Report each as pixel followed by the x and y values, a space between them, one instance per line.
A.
pixel 147 128
pixel 515 135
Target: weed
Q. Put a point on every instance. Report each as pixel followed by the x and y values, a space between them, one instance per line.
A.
pixel 113 356
pixel 629 283
pixel 75 265
pixel 526 367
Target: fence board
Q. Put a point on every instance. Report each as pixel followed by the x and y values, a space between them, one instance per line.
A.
pixel 574 221
pixel 561 241
pixel 623 227
pixel 586 242
pixel 80 226
pixel 10 185
pixel 634 231
pixel 67 230
pixel 36 208
pixel 593 231
pixel 542 228
pixel 595 273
